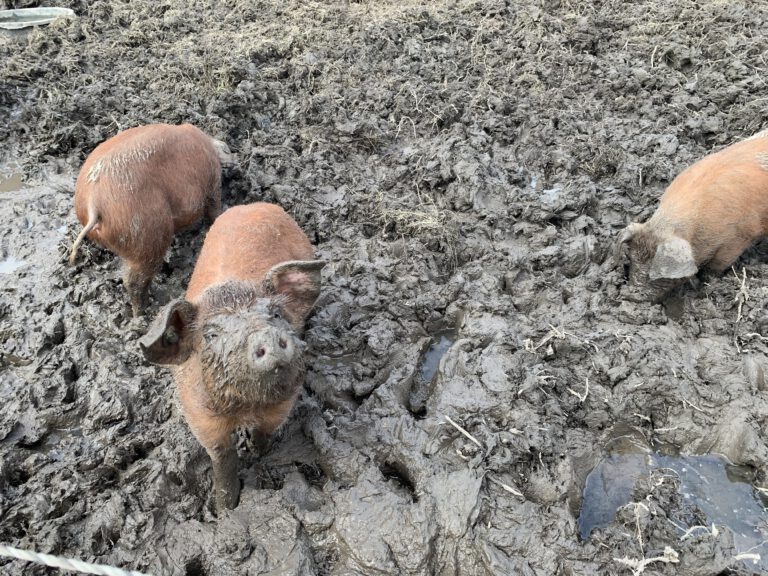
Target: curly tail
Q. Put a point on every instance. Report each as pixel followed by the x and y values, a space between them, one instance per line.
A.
pixel 93 219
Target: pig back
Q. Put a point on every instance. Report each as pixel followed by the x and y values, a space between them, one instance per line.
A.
pixel 244 243
pixel 724 192
pixel 150 169
pixel 191 173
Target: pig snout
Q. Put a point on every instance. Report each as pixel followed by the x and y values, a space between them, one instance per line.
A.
pixel 272 349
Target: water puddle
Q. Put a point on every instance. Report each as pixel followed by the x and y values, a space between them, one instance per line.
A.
pixel 11 182
pixel 427 370
pixel 10 265
pixel 430 361
pixel 25 17
pixel 708 484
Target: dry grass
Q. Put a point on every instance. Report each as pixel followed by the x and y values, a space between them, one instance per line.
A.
pixel 424 220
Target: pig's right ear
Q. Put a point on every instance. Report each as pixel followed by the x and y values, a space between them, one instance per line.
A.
pixel 168 339
pixel 626 235
pixel 673 260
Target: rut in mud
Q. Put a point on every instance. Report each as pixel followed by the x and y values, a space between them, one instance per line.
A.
pixel 464 167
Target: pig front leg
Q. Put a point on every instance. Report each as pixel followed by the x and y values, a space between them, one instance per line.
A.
pixel 215 435
pixel 226 484
pixel 729 253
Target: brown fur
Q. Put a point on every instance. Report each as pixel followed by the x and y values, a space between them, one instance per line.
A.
pixel 140 187
pixel 243 244
pixel 719 205
pixel 267 235
pixel 254 261
pixel 644 245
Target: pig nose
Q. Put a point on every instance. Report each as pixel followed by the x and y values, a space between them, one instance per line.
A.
pixel 270 349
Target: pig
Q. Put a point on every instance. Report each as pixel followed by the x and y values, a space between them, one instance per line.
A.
pixel 709 214
pixel 234 342
pixel 140 187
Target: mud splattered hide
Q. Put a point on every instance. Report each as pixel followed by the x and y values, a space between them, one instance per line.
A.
pixel 242 340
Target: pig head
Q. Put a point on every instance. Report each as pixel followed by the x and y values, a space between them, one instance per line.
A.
pixel 237 355
pixel 659 260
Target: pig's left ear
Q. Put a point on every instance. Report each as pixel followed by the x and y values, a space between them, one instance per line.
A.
pixel 626 235
pixel 299 280
pixel 673 260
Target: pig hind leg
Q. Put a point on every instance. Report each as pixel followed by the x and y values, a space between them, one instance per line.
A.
pixel 213 201
pixel 141 268
pixel 137 278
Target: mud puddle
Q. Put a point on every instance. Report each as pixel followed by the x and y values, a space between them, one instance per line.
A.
pixel 427 368
pixel 11 181
pixel 10 265
pixel 716 495
pixel 430 361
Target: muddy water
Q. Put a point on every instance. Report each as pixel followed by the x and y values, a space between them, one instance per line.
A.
pixel 458 164
pixel 430 362
pixel 10 264
pixel 11 181
pixel 715 495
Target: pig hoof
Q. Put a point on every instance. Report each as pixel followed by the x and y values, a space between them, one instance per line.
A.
pixel 227 498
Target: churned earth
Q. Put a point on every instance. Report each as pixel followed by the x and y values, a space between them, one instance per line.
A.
pixel 464 166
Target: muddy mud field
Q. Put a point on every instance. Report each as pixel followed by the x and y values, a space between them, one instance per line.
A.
pixel 464 167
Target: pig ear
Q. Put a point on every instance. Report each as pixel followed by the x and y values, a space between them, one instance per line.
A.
pixel 625 236
pixel 673 260
pixel 226 158
pixel 168 339
pixel 299 280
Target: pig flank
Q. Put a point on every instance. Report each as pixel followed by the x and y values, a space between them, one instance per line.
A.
pixel 710 214
pixel 137 189
pixel 234 344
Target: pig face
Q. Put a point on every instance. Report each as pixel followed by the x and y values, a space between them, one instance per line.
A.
pixel 253 356
pixel 244 338
pixel 657 262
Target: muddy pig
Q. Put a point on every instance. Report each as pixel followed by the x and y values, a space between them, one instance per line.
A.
pixel 709 214
pixel 140 187
pixel 235 342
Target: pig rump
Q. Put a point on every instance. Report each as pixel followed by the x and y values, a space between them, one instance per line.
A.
pixel 140 187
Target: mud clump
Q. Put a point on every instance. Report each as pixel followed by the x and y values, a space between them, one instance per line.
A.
pixel 462 166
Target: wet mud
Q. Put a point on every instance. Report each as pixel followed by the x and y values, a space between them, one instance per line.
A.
pixel 464 168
